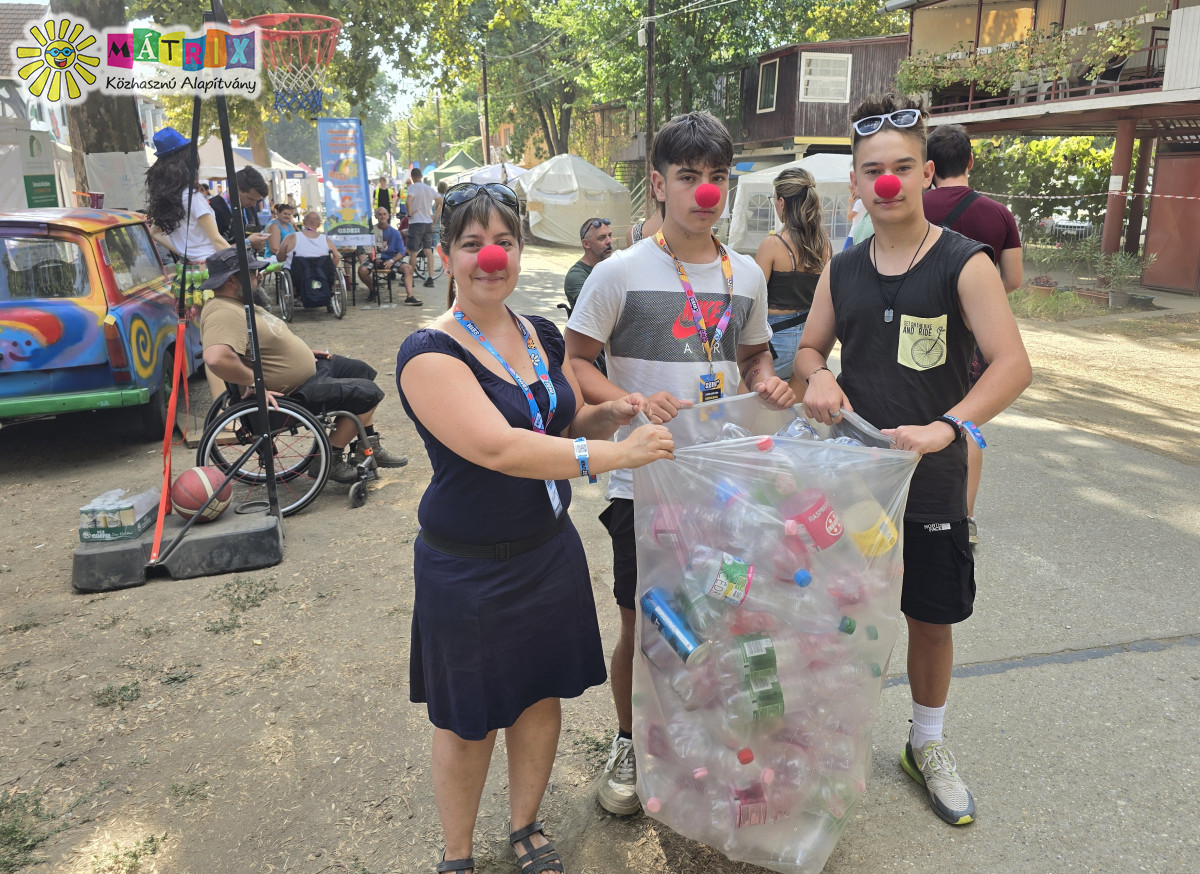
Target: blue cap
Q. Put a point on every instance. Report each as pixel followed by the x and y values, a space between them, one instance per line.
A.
pixel 168 141
pixel 802 578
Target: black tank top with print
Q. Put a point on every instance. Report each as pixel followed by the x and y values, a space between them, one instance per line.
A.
pixel 913 369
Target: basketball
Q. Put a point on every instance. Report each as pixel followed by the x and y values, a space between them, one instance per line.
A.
pixel 193 487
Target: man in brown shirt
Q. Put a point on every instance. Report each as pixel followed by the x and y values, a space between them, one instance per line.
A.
pixel 315 379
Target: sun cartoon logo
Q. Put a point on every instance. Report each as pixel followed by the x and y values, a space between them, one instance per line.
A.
pixel 58 59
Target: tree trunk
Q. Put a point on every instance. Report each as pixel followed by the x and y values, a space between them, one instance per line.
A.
pixel 541 112
pixel 102 123
pixel 564 123
pixel 257 132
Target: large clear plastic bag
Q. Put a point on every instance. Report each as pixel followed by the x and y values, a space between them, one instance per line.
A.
pixel 769 572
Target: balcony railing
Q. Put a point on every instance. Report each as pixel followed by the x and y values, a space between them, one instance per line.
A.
pixel 1068 79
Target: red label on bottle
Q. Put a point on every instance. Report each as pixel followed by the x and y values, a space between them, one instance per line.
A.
pixel 821 522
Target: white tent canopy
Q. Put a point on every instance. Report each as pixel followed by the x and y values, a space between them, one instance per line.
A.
pixel 564 192
pixel 754 201
pixel 502 172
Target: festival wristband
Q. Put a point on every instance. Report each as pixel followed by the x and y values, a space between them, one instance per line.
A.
pixel 970 429
pixel 581 455
pixel 815 372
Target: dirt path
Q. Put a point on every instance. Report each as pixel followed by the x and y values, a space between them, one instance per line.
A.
pixel 259 722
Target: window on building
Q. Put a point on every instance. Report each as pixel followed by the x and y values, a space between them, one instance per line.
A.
pixel 824 78
pixel 761 219
pixel 768 79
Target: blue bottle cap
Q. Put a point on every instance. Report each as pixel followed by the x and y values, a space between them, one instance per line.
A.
pixel 802 578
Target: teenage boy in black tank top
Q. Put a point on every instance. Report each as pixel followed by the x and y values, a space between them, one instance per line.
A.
pixel 908 307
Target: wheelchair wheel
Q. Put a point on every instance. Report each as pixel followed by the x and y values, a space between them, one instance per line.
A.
pixel 219 405
pixel 285 295
pixel 338 301
pixel 300 447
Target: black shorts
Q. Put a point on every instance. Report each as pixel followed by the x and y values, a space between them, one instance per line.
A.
pixel 618 519
pixel 340 384
pixel 939 572
pixel 420 236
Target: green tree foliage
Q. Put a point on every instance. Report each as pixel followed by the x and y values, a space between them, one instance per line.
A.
pixel 1054 175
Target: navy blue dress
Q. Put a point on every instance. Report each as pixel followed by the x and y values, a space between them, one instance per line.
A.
pixel 490 638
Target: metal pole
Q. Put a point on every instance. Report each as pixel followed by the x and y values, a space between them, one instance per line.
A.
pixel 649 105
pixel 239 234
pixel 487 136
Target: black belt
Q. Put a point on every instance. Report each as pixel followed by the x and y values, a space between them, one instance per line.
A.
pixel 497 551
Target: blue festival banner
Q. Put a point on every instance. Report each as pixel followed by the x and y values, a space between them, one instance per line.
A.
pixel 347 197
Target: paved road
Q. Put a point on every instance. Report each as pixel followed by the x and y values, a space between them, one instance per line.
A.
pixel 1074 706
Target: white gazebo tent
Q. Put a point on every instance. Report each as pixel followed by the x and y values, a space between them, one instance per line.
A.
pixel 503 172
pixel 754 201
pixel 564 192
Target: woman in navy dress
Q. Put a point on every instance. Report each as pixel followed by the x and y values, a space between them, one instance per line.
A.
pixel 504 624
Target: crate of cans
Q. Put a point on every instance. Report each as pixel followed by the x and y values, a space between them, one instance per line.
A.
pixel 769 573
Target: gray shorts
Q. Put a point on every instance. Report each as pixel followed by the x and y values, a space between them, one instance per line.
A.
pixel 420 236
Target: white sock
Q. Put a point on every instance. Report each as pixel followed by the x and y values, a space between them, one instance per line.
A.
pixel 927 724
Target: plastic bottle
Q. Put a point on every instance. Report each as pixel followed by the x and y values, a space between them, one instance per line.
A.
pixel 777 475
pixel 759 700
pixel 798 429
pixel 810 516
pixel 869 525
pixel 694 685
pixel 756 655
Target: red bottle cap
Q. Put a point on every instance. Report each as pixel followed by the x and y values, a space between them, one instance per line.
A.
pixel 745 755
pixel 765 444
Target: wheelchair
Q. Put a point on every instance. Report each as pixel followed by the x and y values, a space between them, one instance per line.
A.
pixel 299 444
pixel 421 270
pixel 285 294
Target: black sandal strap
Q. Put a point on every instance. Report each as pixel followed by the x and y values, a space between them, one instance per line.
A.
pixel 522 835
pixel 542 859
pixel 444 867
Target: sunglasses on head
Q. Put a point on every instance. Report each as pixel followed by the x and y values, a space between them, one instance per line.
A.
pixel 901 118
pixel 464 192
pixel 593 223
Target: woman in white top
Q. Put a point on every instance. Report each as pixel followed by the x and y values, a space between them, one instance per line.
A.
pixel 309 242
pixel 170 185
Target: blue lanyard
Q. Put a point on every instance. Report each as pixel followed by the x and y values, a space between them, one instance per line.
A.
pixel 539 367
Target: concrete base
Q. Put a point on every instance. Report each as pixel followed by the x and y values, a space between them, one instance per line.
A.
pixel 234 542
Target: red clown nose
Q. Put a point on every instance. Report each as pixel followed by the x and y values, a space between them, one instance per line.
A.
pixel 707 195
pixel 492 259
pixel 887 186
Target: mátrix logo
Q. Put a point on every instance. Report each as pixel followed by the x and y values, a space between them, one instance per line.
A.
pixel 140 60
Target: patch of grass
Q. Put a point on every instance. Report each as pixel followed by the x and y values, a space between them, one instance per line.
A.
pixel 242 594
pixel 1062 306
pixel 595 749
pixel 110 621
pixel 274 663
pixel 119 696
pixel 87 797
pixel 1160 326
pixel 127 860
pixel 399 610
pixel 223 625
pixel 13 668
pixel 188 790
pixel 148 631
pixel 23 626
pixel 23 828
pixel 144 760
pixel 176 677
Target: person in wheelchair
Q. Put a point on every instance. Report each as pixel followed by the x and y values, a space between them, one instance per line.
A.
pixel 310 255
pixel 315 379
pixel 388 259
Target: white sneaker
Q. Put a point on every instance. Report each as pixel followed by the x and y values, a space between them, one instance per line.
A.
pixel 618 786
pixel 933 767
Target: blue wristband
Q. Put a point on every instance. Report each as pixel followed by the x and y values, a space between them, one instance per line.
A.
pixel 970 429
pixel 581 455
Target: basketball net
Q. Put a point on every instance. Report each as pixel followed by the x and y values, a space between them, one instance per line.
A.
pixel 296 51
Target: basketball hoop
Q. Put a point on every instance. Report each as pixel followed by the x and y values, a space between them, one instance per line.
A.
pixel 296 51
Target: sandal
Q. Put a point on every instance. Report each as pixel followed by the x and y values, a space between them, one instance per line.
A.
pixel 537 859
pixel 455 865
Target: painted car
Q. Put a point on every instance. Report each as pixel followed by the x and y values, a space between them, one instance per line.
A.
pixel 87 316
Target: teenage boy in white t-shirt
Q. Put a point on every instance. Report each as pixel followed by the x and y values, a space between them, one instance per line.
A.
pixel 635 307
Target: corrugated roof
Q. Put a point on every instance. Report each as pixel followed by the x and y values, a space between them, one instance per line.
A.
pixel 13 18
